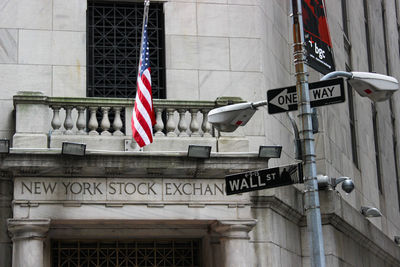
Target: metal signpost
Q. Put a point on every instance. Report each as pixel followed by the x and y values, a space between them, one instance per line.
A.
pixel 262 179
pixel 311 198
pixel 321 93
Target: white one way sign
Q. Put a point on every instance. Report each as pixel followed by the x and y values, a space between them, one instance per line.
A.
pixel 321 93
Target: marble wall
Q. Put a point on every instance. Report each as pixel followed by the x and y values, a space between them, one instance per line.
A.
pixel 227 48
pixel 42 48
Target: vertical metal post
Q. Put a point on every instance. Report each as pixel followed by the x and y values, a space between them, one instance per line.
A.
pixel 311 198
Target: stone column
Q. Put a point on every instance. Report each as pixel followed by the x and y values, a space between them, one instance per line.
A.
pixel 28 236
pixel 234 238
pixel 6 196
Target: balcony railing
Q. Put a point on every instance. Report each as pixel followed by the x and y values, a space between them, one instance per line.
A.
pixel 192 119
pixel 105 123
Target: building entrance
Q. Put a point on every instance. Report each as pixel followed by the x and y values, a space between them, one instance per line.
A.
pixel 142 253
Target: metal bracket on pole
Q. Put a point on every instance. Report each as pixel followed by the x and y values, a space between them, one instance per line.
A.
pixel 297 141
pixel 311 207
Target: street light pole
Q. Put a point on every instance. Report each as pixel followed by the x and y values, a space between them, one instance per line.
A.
pixel 311 198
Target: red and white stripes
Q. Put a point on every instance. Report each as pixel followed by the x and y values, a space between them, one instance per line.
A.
pixel 143 113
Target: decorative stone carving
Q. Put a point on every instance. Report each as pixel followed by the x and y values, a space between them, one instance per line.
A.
pixel 182 126
pixel 93 124
pixel 56 122
pixel 105 122
pixel 81 121
pixel 68 123
pixel 159 122
pixel 171 123
pixel 206 126
pixel 117 123
pixel 194 125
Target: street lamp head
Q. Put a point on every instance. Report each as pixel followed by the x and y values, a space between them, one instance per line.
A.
pixel 228 118
pixel 375 86
pixel 370 212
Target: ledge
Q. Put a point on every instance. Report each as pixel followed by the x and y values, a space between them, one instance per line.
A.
pixel 346 219
pixel 129 164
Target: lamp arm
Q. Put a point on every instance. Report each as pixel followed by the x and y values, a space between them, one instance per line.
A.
pixel 259 104
pixel 336 74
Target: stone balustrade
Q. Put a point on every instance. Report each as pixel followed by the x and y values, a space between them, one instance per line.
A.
pixel 173 118
pixel 105 123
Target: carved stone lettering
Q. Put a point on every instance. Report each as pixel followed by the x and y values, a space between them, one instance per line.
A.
pixel 120 189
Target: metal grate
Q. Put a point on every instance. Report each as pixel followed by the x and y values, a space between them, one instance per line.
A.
pixel 160 253
pixel 113 43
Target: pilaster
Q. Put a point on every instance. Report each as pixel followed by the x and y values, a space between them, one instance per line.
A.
pixel 28 236
pixel 234 238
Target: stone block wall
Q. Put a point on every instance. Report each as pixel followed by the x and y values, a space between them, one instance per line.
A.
pixel 43 48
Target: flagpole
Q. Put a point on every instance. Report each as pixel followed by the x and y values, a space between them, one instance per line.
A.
pixel 145 18
pixel 143 120
pixel 311 197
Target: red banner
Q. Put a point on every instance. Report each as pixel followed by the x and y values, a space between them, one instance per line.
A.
pixel 316 36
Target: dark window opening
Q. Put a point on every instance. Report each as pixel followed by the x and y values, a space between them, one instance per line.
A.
pixel 385 38
pixel 114 32
pixel 367 36
pixel 353 134
pixel 344 18
pixel 377 152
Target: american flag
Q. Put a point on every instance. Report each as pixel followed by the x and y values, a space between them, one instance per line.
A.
pixel 143 113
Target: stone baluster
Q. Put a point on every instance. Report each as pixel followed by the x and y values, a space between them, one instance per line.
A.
pixel 159 127
pixel 194 124
pixel 56 122
pixel 182 126
pixel 28 241
pixel 171 125
pixel 206 126
pixel 117 123
pixel 93 124
pixel 81 121
pixel 68 123
pixel 234 238
pixel 105 121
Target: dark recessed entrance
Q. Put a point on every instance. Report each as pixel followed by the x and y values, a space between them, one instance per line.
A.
pixel 144 253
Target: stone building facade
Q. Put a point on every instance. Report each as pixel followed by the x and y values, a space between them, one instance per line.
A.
pixel 122 206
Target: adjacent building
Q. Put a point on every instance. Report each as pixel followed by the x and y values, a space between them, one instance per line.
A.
pixel 68 74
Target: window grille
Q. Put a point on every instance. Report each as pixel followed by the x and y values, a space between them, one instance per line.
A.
pixel 113 45
pixel 160 253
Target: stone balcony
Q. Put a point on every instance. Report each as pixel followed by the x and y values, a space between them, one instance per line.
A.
pixel 104 124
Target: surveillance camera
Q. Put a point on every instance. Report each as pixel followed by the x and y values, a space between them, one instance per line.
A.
pixel 375 86
pixel 228 118
pixel 348 186
pixel 397 240
pixel 325 182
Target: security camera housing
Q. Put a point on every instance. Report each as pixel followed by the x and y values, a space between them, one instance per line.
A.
pixel 326 182
pixel 397 240
pixel 348 186
pixel 375 86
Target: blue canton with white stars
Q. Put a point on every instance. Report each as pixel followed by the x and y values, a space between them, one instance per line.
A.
pixel 144 59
